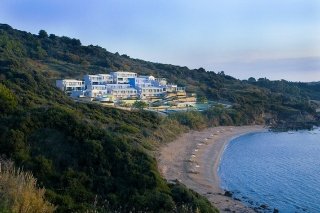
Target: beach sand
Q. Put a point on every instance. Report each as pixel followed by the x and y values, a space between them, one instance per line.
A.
pixel 193 159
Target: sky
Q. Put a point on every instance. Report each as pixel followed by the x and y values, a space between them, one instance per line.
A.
pixel 277 39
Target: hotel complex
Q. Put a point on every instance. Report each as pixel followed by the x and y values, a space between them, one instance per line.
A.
pixel 120 86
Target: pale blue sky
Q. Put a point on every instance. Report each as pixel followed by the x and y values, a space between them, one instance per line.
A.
pixel 277 39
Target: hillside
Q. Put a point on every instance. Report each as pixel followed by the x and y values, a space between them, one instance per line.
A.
pixel 89 158
pixel 93 158
pixel 61 57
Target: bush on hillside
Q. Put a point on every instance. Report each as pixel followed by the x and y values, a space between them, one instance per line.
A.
pixel 7 99
pixel 19 191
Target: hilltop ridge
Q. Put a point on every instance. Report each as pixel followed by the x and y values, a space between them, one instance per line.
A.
pixel 61 57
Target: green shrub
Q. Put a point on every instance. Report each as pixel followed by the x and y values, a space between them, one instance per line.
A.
pixel 7 99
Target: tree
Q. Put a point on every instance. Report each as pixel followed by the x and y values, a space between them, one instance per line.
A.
pixel 75 42
pixel 201 69
pixel 202 99
pixel 43 34
pixel 221 73
pixel 53 36
pixel 7 99
pixel 252 79
pixel 139 105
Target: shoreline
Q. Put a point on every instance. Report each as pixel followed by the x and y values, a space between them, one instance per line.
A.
pixel 193 159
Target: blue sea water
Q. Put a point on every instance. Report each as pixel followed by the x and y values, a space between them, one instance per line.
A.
pixel 279 170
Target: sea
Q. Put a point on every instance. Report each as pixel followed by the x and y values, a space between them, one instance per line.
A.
pixel 272 171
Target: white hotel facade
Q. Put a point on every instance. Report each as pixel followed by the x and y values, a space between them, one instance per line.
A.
pixel 118 85
pixel 69 85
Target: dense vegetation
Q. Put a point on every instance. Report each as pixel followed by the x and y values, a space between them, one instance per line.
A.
pixel 89 158
pixel 93 158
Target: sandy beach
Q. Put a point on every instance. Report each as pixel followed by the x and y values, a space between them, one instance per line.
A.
pixel 193 159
